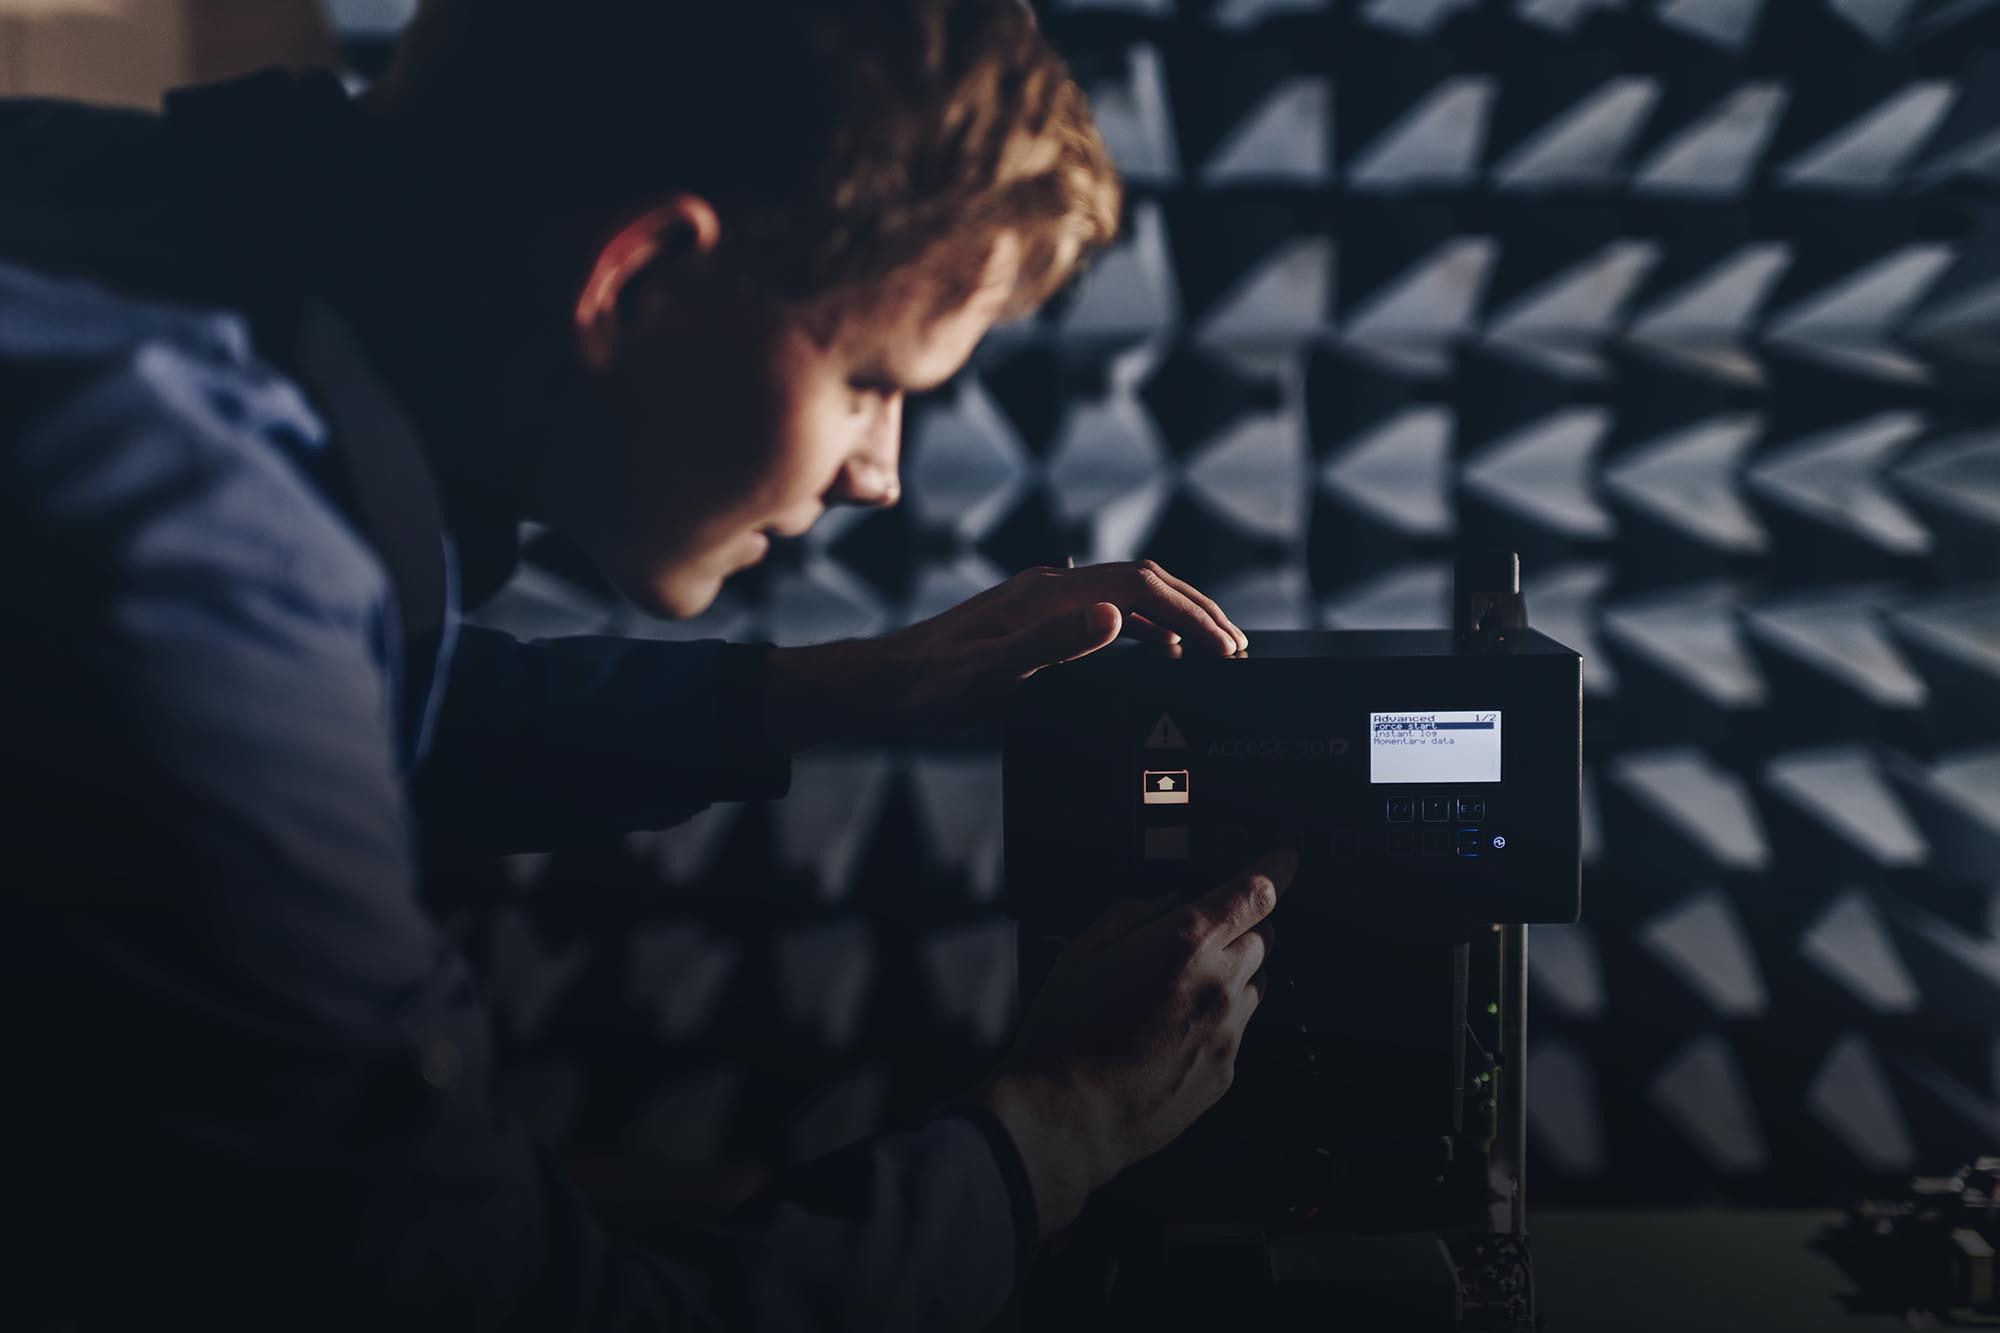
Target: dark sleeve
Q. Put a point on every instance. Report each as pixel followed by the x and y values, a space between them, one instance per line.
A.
pixel 253 1072
pixel 561 742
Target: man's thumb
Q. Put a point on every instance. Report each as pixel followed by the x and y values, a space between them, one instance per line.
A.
pixel 1063 637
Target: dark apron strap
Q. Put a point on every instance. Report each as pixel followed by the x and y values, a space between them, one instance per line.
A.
pixel 239 141
pixel 379 473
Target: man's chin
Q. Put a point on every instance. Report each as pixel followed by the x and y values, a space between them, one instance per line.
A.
pixel 679 597
pixel 685 589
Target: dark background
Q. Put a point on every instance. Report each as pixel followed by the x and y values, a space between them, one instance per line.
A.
pixel 1695 303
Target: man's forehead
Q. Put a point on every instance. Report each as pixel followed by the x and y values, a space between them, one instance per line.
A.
pixel 921 345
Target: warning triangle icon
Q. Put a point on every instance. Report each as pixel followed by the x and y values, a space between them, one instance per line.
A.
pixel 1165 735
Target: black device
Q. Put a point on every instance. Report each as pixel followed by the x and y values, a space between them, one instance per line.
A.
pixel 1368 1157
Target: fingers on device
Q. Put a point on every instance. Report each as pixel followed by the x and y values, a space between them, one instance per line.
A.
pixel 1431 783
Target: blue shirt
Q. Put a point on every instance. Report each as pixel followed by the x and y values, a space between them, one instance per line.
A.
pixel 248 1071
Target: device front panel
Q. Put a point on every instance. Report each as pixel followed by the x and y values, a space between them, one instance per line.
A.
pixel 1430 787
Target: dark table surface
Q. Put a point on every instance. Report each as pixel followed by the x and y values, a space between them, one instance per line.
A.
pixel 1691 1271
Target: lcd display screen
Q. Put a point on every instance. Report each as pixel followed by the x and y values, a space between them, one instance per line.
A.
pixel 1438 748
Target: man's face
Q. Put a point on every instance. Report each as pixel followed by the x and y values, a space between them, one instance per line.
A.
pixel 727 420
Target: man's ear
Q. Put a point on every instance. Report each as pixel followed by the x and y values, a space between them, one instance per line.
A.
pixel 634 272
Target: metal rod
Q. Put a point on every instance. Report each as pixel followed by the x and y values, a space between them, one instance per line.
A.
pixel 1510 1146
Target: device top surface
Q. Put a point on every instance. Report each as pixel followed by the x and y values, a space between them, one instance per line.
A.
pixel 1342 643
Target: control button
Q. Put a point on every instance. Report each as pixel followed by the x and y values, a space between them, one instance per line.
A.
pixel 1342 844
pixel 1469 840
pixel 1167 844
pixel 1402 809
pixel 1437 809
pixel 1471 809
pixel 1402 841
pixel 1164 788
pixel 1435 842
pixel 1499 843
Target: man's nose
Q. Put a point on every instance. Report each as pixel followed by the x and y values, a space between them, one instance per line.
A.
pixel 870 476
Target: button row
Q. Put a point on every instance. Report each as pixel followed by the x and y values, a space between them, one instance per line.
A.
pixel 1171 843
pixel 1435 809
pixel 1436 842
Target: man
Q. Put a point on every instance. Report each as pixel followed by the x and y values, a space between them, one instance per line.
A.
pixel 280 375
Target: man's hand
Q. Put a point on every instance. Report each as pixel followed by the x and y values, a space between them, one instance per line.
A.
pixel 956 669
pixel 1135 1034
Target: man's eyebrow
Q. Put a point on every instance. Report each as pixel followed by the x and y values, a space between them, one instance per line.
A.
pixel 884 379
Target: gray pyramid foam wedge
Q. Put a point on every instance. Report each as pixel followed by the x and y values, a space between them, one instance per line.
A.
pixel 1563 601
pixel 1839 633
pixel 844 1111
pixel 1850 943
pixel 1842 791
pixel 536 604
pixel 1703 324
pixel 967 466
pixel 939 587
pixel 1561 15
pixel 1729 24
pixel 1286 298
pixel 1850 1095
pixel 1412 322
pixel 683 853
pixel 1400 470
pixel 1563 1111
pixel 1585 145
pixel 824 825
pixel 958 802
pixel 1559 324
pixel 1956 801
pixel 1542 472
pixel 1837 478
pixel 1702 1090
pixel 1704 802
pixel 1567 973
pixel 1691 634
pixel 1968 319
pixel 1960 969
pixel 1135 119
pixel 1236 14
pixel 1960 474
pixel 1103 450
pixel 1717 155
pixel 530 977
pixel 1702 940
pixel 677 973
pixel 1850 324
pixel 1279 598
pixel 825 972
pixel 1962 625
pixel 1873 152
pixel 1412 18
pixel 1881 21
pixel 822 601
pixel 1285 139
pixel 970 968
pixel 1407 597
pixel 1147 8
pixel 1256 475
pixel 1436 143
pixel 1129 292
pixel 1688 480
